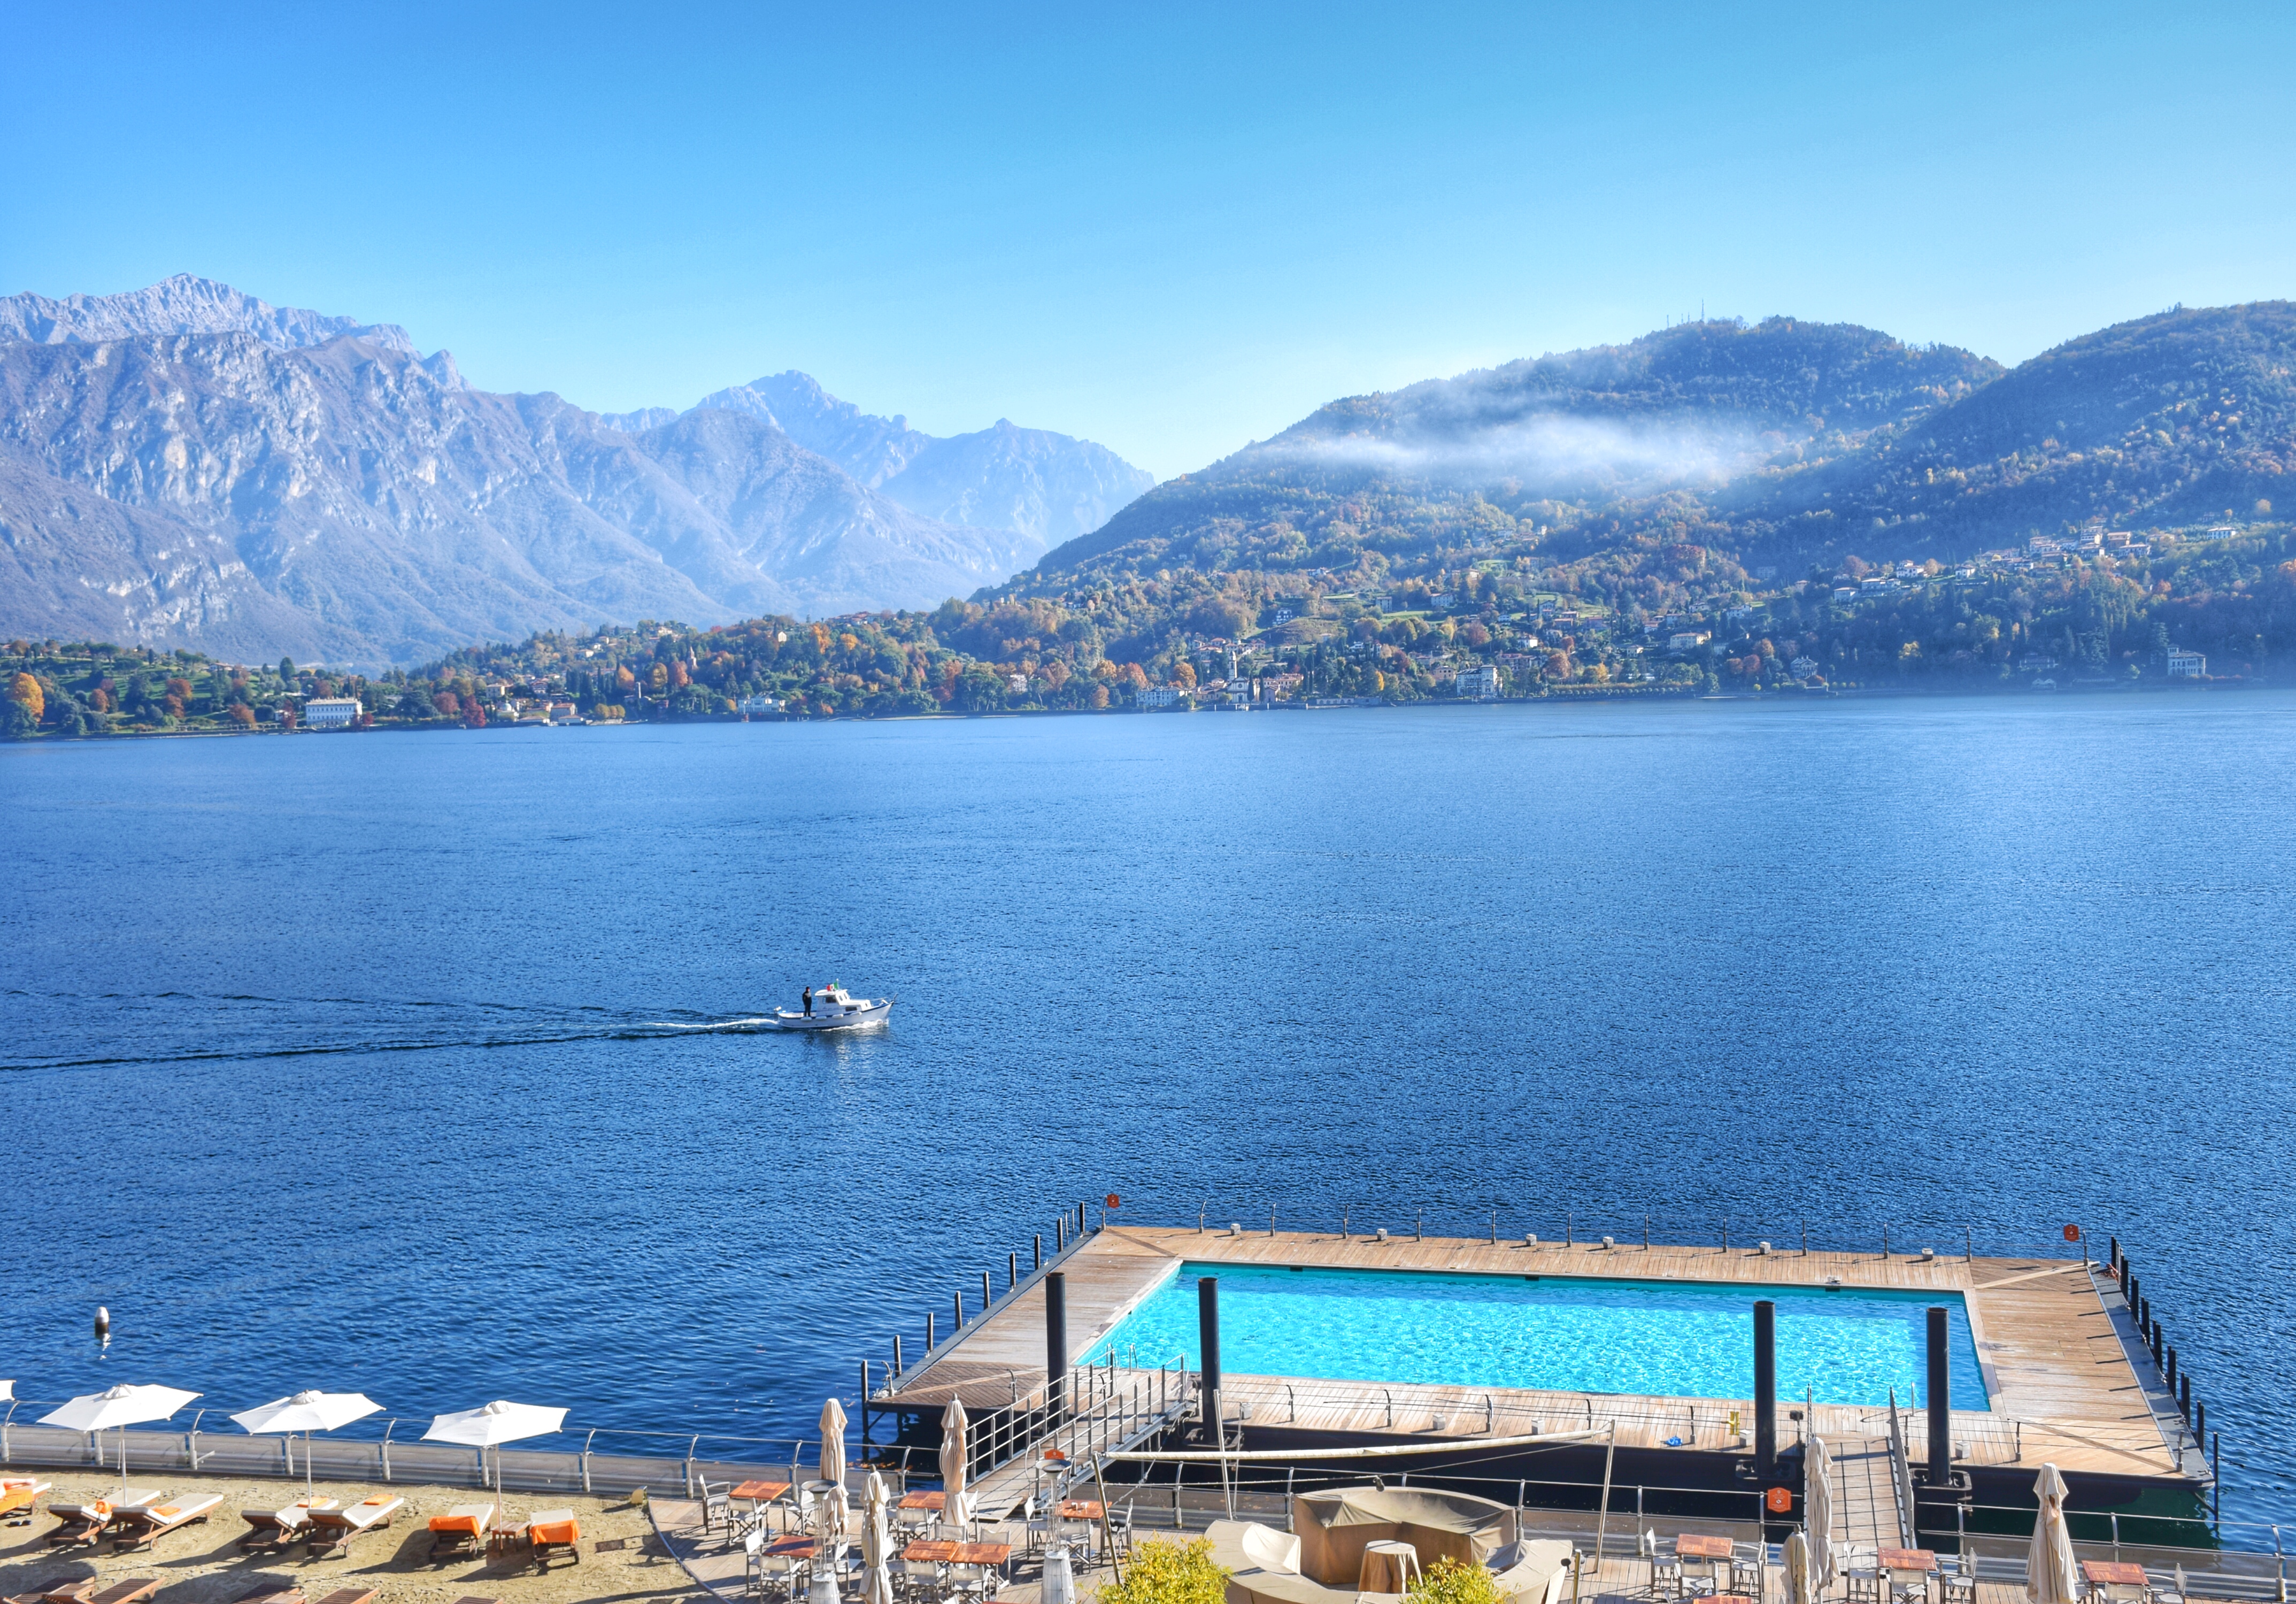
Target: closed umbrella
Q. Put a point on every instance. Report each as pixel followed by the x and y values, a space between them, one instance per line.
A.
pixel 1797 1588
pixel 954 1458
pixel 1817 1512
pixel 306 1412
pixel 491 1425
pixel 833 1442
pixel 2050 1577
pixel 121 1406
pixel 876 1544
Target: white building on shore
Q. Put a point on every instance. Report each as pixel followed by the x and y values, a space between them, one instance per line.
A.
pixel 332 712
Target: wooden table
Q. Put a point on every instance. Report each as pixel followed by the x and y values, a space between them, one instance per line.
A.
pixel 759 1492
pixel 789 1548
pixel 2113 1573
pixel 935 1502
pixel 940 1551
pixel 1697 1545
pixel 1905 1558
pixel 1082 1508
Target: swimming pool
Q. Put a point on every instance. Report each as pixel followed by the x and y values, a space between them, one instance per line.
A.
pixel 1686 1339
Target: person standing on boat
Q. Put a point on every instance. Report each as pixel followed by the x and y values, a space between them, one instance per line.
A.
pixel 808 1002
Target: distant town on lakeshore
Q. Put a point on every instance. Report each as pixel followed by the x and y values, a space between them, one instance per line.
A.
pixel 2101 609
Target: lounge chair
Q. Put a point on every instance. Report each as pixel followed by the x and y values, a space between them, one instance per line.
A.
pixel 86 1521
pixel 273 1590
pixel 17 1492
pixel 461 1530
pixel 332 1530
pixel 553 1532
pixel 62 1592
pixel 279 1528
pixel 134 1591
pixel 350 1595
pixel 144 1525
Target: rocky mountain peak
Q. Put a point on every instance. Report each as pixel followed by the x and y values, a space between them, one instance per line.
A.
pixel 185 304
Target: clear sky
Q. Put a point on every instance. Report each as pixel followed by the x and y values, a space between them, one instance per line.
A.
pixel 1171 231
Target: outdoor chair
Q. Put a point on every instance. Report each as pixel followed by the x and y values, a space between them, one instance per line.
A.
pixel 332 1530
pixel 273 1590
pixel 1748 1569
pixel 717 1509
pixel 1120 1526
pixel 143 1526
pixel 134 1591
pixel 2171 1595
pixel 970 1581
pixel 19 1492
pixel 349 1595
pixel 1665 1580
pixel 62 1592
pixel 461 1530
pixel 1036 1528
pixel 553 1533
pixel 278 1528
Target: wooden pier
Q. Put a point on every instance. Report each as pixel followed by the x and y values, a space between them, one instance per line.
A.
pixel 2066 1376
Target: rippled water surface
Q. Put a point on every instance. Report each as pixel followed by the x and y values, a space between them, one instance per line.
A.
pixel 426 1065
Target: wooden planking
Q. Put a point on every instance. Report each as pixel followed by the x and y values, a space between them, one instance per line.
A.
pixel 2045 1337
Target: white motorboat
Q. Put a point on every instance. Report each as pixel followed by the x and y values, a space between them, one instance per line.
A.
pixel 833 1010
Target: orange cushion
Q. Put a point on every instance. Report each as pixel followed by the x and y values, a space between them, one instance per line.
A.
pixel 165 1512
pixel 557 1531
pixel 456 1523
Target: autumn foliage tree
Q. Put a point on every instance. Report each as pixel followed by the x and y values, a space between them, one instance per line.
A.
pixel 25 692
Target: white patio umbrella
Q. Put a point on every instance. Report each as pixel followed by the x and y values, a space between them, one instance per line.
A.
pixel 306 1412
pixel 833 1442
pixel 1817 1512
pixel 876 1544
pixel 954 1458
pixel 492 1424
pixel 1797 1588
pixel 2050 1574
pixel 121 1406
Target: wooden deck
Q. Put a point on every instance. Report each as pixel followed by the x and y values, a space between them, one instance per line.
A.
pixel 2056 1350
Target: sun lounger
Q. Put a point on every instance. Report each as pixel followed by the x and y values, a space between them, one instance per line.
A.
pixel 134 1591
pixel 62 1592
pixel 86 1521
pixel 350 1595
pixel 147 1524
pixel 334 1529
pixel 279 1528
pixel 461 1530
pixel 17 1492
pixel 553 1532
pixel 273 1590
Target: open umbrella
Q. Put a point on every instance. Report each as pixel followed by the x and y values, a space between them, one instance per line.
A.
pixel 2050 1576
pixel 121 1406
pixel 1817 1512
pixel 954 1458
pixel 306 1412
pixel 492 1424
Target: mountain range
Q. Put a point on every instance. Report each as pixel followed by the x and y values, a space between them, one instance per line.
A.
pixel 1783 441
pixel 189 465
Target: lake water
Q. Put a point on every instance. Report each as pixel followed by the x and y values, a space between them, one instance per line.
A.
pixel 404 1062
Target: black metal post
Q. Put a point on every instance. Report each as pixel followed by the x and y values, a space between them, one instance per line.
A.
pixel 956 1321
pixel 897 1353
pixel 1766 1389
pixel 2185 1395
pixel 1940 1402
pixel 1080 1220
pixel 1056 1341
pixel 1040 1250
pixel 1208 1340
pixel 1012 1271
pixel 930 1343
pixel 2172 1367
pixel 2157 1360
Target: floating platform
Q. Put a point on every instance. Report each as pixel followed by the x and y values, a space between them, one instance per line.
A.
pixel 2068 1377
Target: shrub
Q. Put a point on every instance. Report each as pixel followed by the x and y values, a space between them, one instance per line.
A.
pixel 1164 1572
pixel 1450 1582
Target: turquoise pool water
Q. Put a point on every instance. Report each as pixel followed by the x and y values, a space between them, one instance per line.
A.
pixel 1669 1338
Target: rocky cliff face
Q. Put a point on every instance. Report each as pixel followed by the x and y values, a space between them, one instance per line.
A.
pixel 262 489
pixel 183 304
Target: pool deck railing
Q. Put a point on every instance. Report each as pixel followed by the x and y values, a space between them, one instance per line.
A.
pixel 2069 1378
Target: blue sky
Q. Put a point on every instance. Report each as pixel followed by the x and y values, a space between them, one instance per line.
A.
pixel 1170 230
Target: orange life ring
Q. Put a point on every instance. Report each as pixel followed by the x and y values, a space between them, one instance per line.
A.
pixel 1779 1500
pixel 2072 1233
